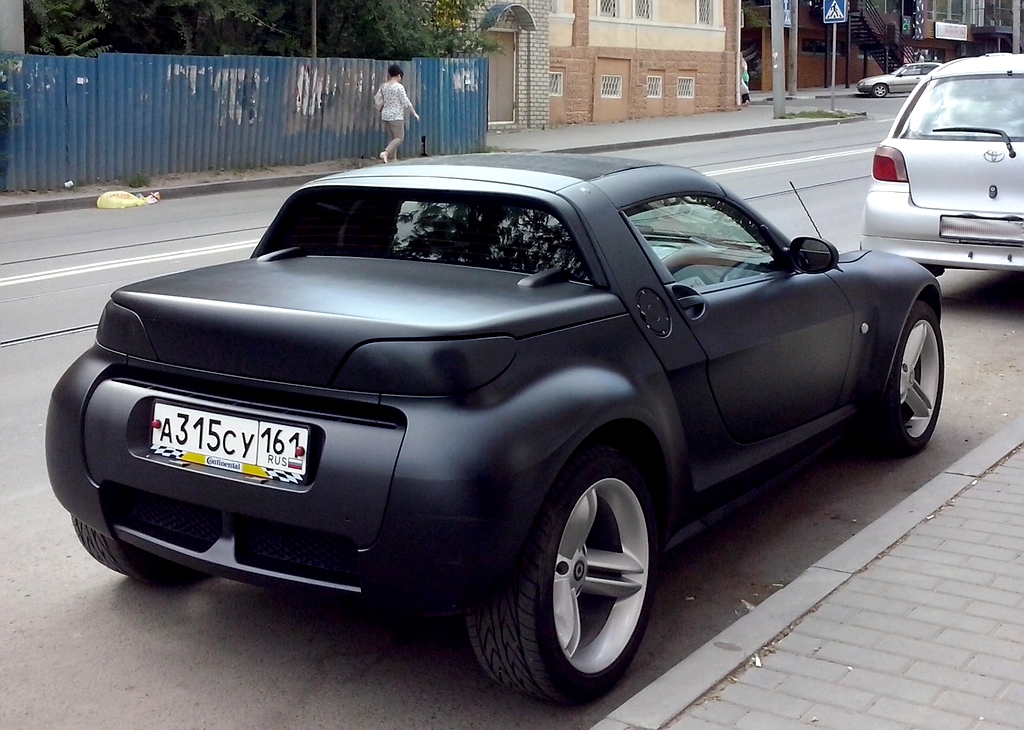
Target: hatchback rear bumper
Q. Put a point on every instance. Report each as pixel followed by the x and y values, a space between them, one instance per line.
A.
pixel 951 254
pixel 892 223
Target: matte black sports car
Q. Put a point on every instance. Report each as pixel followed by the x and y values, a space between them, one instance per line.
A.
pixel 493 385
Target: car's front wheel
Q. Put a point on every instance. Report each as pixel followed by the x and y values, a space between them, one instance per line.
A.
pixel 570 619
pixel 879 91
pixel 904 419
pixel 127 559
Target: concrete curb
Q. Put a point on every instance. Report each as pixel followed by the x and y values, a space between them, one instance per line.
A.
pixel 81 202
pixel 706 136
pixel 668 696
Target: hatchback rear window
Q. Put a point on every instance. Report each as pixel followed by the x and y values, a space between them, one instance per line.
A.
pixel 995 102
pixel 482 232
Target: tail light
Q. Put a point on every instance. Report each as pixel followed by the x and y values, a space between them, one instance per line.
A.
pixel 889 165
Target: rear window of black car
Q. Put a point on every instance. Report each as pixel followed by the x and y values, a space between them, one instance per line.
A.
pixel 482 232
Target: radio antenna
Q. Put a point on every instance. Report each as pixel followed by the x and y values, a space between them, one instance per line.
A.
pixel 797 193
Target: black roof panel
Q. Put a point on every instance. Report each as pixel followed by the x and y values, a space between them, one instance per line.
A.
pixel 581 167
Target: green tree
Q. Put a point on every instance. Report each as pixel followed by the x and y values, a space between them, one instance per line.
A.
pixel 65 27
pixel 382 29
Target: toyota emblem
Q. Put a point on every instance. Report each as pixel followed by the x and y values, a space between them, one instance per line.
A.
pixel 994 155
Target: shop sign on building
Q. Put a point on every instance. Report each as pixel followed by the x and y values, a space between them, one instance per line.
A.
pixel 950 31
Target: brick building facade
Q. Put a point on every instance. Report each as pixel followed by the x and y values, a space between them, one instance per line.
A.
pixel 629 59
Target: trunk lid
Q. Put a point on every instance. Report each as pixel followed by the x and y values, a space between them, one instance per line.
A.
pixel 978 169
pixel 296 320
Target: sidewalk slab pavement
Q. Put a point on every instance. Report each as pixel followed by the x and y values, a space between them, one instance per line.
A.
pixel 914 623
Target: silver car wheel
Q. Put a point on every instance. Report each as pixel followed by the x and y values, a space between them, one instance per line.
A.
pixel 601 573
pixel 919 378
pixel 879 91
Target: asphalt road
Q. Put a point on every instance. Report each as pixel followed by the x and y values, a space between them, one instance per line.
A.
pixel 84 648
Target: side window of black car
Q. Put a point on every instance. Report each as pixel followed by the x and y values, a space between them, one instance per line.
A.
pixel 703 240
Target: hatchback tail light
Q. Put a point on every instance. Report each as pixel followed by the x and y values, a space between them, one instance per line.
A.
pixel 889 165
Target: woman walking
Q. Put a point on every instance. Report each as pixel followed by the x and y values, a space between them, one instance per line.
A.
pixel 392 111
pixel 744 82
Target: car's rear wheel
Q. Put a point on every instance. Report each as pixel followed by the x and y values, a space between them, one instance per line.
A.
pixel 904 419
pixel 571 618
pixel 127 559
pixel 879 91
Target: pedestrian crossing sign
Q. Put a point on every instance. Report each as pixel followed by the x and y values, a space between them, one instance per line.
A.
pixel 835 11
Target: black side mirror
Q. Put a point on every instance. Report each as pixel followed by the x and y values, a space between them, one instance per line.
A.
pixel 812 255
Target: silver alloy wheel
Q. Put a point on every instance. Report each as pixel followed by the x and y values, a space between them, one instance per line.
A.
pixel 601 574
pixel 919 378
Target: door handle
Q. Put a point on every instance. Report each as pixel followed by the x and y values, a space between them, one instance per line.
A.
pixel 693 305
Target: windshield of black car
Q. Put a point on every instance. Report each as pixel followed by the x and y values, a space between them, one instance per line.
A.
pixel 478 231
pixel 993 102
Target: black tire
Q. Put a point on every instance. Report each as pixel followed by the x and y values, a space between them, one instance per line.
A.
pixel 879 91
pixel 904 418
pixel 516 636
pixel 131 561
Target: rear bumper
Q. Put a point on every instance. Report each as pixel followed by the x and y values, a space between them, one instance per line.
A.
pixel 950 254
pixel 892 223
pixel 415 515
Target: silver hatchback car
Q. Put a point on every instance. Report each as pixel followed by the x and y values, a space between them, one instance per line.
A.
pixel 900 81
pixel 948 187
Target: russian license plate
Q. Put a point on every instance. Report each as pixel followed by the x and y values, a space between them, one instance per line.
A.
pixel 982 229
pixel 262 449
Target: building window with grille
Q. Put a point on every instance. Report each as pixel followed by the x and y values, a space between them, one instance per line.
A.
pixel 609 8
pixel 705 12
pixel 611 87
pixel 643 9
pixel 555 83
pixel 654 87
pixel 685 87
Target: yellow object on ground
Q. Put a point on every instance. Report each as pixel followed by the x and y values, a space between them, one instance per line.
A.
pixel 116 199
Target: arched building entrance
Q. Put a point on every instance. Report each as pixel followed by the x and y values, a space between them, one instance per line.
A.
pixel 508 25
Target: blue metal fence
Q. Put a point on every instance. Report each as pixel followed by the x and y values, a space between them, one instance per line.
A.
pixel 119 115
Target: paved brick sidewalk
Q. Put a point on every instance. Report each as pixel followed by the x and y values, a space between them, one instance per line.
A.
pixel 927 635
pixel 930 635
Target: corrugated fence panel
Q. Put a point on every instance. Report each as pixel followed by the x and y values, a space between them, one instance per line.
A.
pixel 124 115
pixel 452 101
pixel 49 142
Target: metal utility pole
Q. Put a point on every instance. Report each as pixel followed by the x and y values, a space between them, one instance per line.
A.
pixel 1016 26
pixel 794 46
pixel 313 24
pixel 778 61
pixel 12 26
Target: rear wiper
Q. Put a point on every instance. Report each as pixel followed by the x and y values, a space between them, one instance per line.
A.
pixel 982 130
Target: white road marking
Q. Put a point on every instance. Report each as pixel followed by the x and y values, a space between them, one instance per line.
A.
pixel 122 263
pixel 781 163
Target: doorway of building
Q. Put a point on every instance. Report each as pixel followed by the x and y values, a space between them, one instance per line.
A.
pixel 501 78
